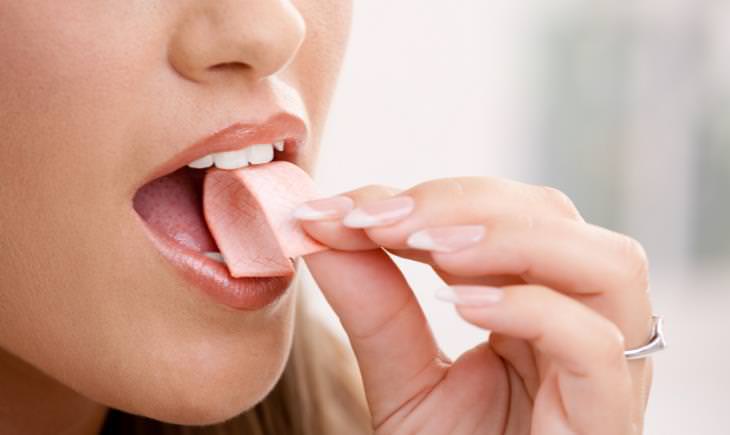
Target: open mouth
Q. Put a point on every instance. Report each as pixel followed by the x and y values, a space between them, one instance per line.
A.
pixel 204 229
pixel 172 205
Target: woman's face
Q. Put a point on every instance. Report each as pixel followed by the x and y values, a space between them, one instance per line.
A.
pixel 96 97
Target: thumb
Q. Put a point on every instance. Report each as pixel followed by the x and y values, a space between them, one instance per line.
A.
pixel 384 322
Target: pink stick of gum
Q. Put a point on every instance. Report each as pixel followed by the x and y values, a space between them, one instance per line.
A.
pixel 249 214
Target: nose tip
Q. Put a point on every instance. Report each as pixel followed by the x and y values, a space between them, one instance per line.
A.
pixel 256 38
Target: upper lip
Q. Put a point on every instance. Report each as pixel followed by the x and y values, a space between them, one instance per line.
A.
pixel 281 126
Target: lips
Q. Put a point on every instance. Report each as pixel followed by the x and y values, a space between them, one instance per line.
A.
pixel 192 213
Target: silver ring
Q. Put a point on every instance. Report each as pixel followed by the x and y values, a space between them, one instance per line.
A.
pixel 655 344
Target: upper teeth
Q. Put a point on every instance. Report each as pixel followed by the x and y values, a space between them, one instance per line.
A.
pixel 253 154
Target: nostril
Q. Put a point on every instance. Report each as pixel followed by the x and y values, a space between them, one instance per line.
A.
pixel 235 67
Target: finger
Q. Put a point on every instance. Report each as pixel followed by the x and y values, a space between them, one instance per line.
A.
pixel 321 219
pixel 606 270
pixel 388 217
pixel 459 201
pixel 593 378
pixel 396 351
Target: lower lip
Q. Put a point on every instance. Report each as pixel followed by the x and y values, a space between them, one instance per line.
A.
pixel 214 279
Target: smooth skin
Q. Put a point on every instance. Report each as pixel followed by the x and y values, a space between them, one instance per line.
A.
pixel 574 296
pixel 94 96
pixel 97 94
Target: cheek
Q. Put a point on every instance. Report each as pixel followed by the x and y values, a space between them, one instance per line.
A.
pixel 59 127
pixel 317 65
pixel 62 126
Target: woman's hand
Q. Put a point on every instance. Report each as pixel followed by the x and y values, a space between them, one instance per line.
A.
pixel 562 298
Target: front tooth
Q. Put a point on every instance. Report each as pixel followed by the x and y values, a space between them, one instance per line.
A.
pixel 260 153
pixel 202 163
pixel 217 256
pixel 231 159
pixel 279 145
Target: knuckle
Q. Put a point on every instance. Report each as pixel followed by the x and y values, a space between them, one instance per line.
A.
pixel 561 201
pixel 448 187
pixel 523 223
pixel 456 187
pixel 485 184
pixel 373 191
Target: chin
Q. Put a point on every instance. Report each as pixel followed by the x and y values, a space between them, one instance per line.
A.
pixel 204 393
pixel 192 371
pixel 206 407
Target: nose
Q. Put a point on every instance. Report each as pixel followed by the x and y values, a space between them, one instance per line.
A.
pixel 255 38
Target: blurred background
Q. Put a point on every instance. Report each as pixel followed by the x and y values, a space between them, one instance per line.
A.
pixel 623 105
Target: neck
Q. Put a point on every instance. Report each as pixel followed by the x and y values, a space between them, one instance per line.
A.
pixel 33 403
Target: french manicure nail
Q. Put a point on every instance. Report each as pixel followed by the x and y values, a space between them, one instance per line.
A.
pixel 379 213
pixel 447 239
pixel 324 209
pixel 472 296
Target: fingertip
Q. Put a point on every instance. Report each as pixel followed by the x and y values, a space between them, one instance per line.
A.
pixel 334 235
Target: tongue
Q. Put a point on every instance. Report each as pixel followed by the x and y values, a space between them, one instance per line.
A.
pixel 249 213
pixel 171 205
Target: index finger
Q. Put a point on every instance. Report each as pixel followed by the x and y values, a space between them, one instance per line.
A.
pixel 448 201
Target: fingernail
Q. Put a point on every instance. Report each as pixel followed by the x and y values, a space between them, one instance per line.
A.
pixel 472 296
pixel 324 209
pixel 447 239
pixel 379 213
